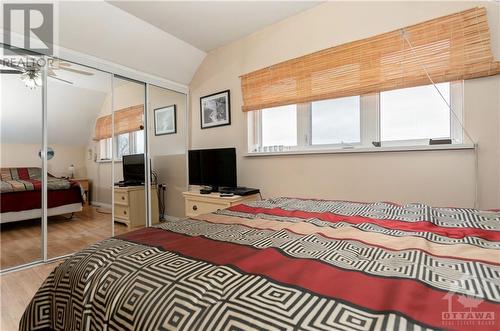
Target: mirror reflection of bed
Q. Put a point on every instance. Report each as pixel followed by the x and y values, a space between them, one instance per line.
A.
pixel 82 159
pixel 72 223
pixel 79 210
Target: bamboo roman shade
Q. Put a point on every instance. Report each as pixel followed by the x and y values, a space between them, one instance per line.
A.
pixel 452 47
pixel 103 128
pixel 126 120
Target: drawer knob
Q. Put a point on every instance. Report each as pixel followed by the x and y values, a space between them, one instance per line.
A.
pixel 125 212
pixel 195 207
pixel 123 198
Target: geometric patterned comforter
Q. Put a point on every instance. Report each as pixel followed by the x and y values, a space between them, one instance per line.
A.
pixel 30 179
pixel 285 264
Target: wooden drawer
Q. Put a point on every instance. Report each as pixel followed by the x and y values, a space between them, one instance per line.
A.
pixel 195 207
pixel 122 212
pixel 121 198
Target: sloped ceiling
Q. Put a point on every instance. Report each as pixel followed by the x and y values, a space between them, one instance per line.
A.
pixel 211 24
pixel 72 111
pixel 104 31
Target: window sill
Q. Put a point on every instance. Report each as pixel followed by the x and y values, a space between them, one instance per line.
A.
pixel 108 161
pixel 366 150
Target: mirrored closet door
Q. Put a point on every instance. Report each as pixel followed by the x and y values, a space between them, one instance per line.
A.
pixel 129 166
pixel 21 166
pixel 110 167
pixel 167 142
pixel 79 180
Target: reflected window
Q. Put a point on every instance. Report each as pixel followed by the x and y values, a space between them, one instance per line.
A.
pixel 139 142
pixel 105 149
pixel 122 145
pixel 129 143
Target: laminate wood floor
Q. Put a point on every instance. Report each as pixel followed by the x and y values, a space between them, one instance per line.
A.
pixel 16 290
pixel 20 243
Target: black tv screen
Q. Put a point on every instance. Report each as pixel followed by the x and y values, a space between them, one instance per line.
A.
pixel 212 167
pixel 133 168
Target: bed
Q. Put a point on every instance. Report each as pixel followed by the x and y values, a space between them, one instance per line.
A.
pixel 283 264
pixel 21 199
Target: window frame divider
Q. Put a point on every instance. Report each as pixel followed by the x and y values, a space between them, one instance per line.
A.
pixel 370 128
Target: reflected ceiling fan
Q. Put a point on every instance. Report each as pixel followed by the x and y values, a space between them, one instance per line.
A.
pixel 31 73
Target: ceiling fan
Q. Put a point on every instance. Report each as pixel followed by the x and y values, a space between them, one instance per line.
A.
pixel 31 73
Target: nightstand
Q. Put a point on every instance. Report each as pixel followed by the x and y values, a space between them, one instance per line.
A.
pixel 84 183
pixel 197 203
pixel 130 206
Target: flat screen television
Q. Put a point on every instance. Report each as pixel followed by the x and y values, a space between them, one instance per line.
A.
pixel 212 167
pixel 133 168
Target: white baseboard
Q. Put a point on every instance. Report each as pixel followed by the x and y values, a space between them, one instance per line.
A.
pixel 171 218
pixel 100 204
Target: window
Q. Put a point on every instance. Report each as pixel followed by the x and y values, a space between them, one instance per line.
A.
pixel 126 144
pixel 139 142
pixel 130 143
pixel 335 121
pixel 415 113
pixel 404 117
pixel 279 126
pixel 122 145
pixel 105 149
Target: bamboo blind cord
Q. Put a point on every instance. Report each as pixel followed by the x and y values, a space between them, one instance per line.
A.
pixel 452 111
pixel 476 151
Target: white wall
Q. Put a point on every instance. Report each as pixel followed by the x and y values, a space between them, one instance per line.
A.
pixel 172 172
pixel 168 152
pixel 26 155
pixel 171 143
pixel 441 178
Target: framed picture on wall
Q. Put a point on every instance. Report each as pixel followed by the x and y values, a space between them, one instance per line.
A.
pixel 215 110
pixel 165 120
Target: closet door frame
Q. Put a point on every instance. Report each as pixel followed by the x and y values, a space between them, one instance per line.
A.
pixel 43 155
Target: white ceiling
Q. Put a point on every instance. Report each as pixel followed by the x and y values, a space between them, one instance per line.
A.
pixel 211 24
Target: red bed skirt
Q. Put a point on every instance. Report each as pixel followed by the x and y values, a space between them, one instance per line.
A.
pixel 27 200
